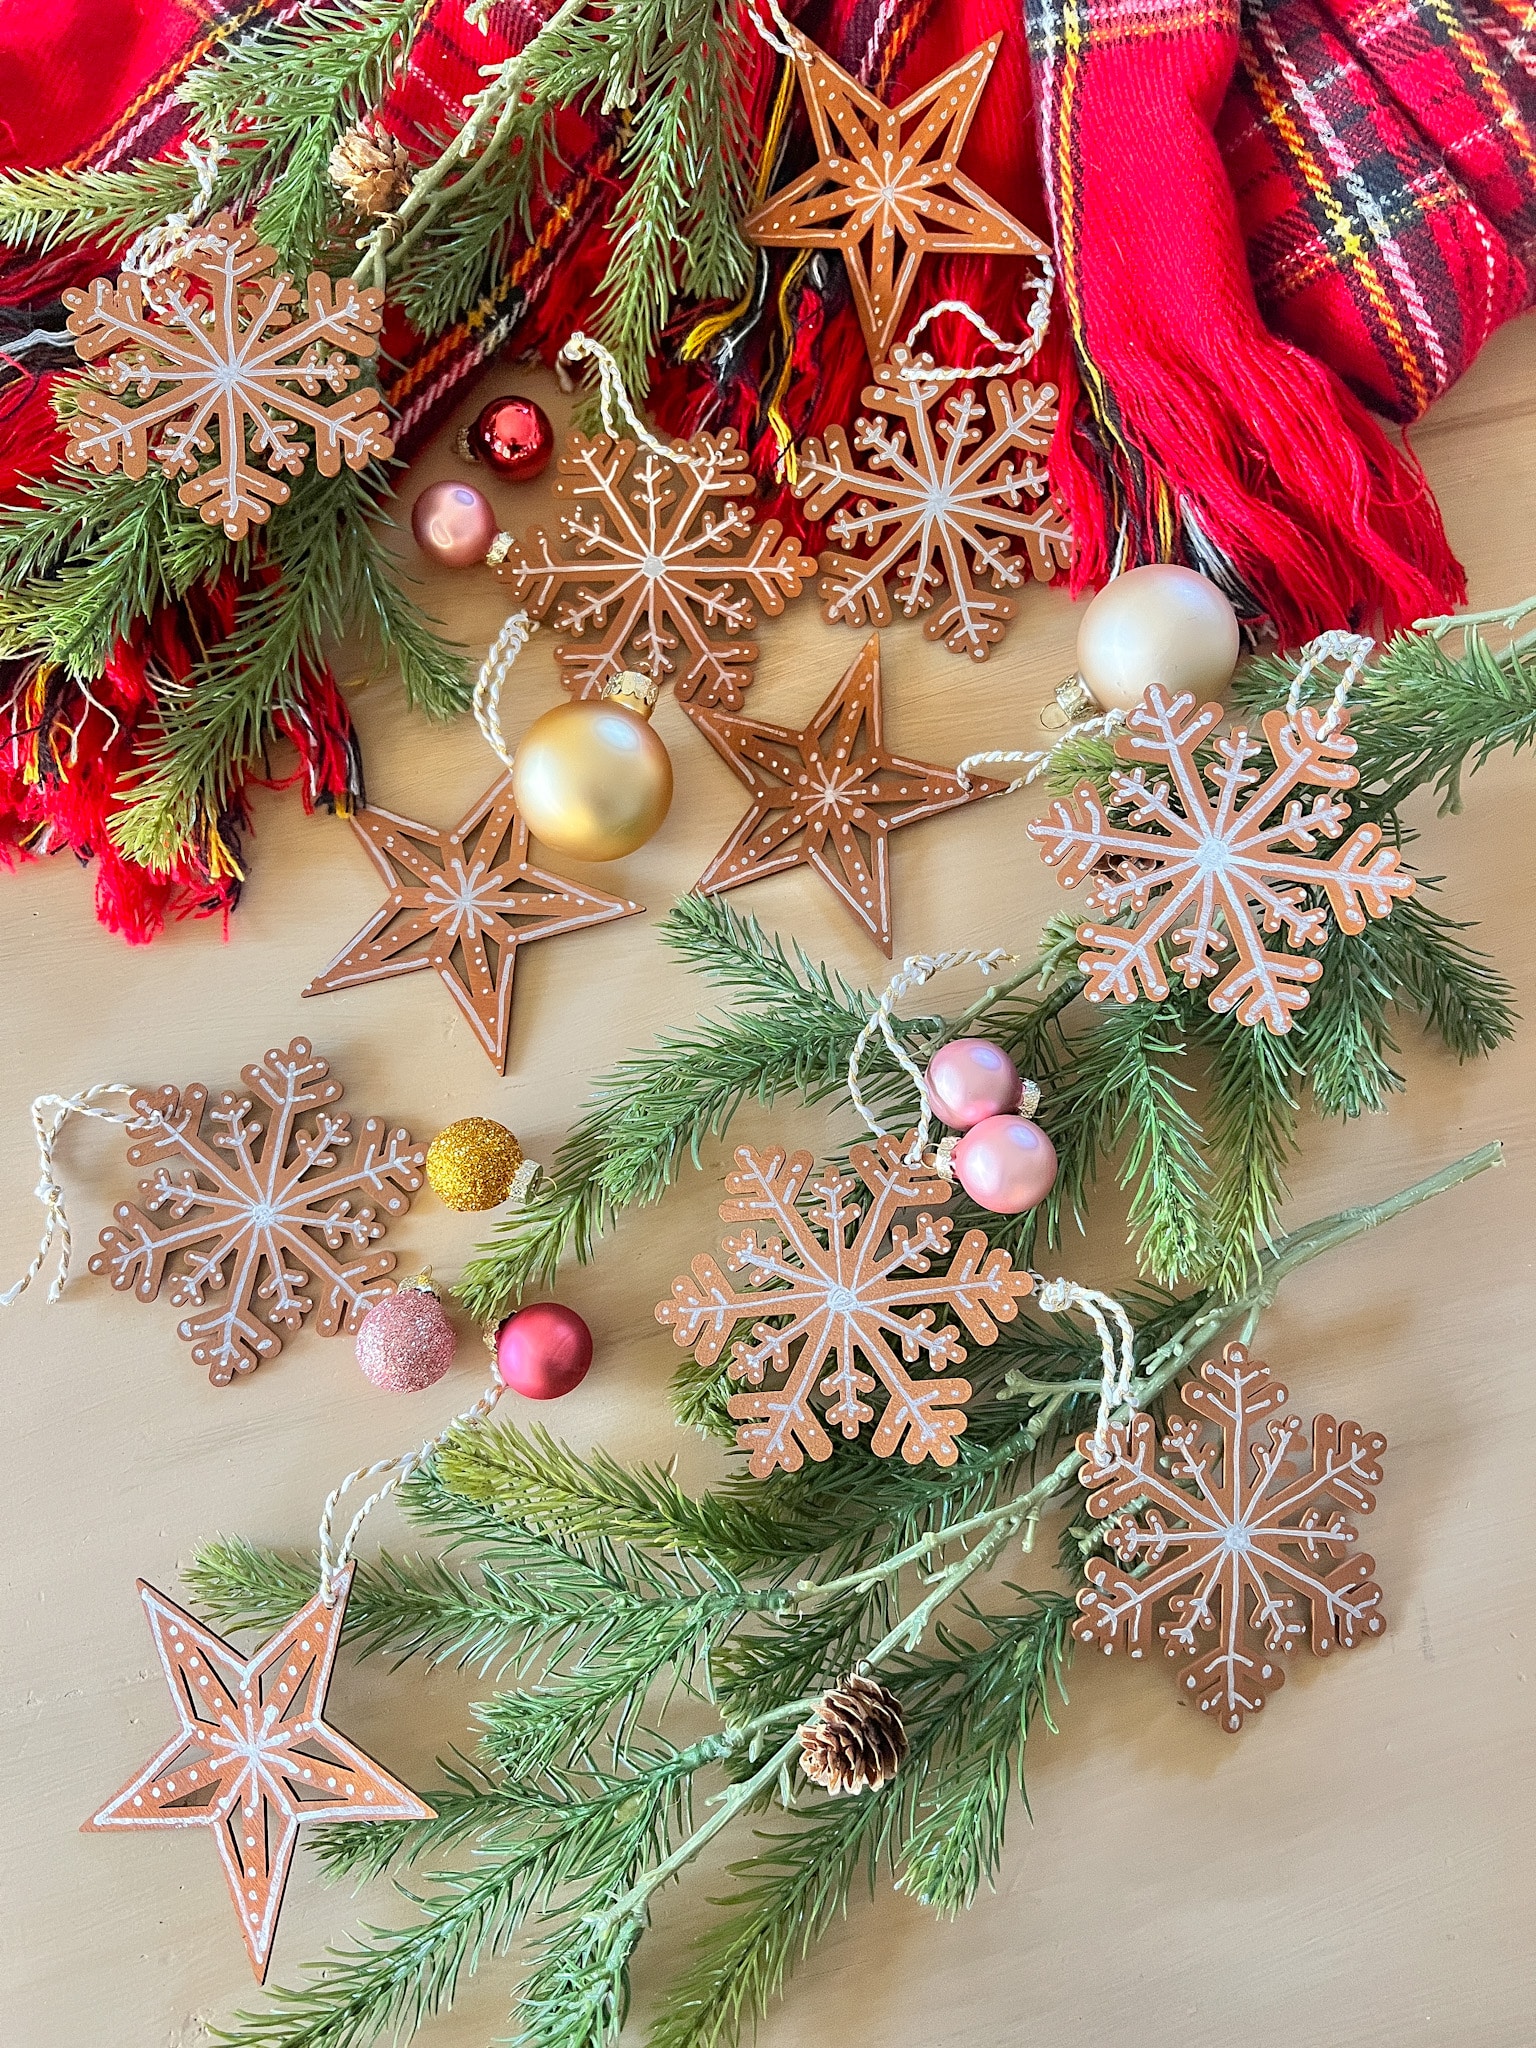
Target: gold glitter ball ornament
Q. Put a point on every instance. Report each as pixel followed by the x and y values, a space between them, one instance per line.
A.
pixel 472 1164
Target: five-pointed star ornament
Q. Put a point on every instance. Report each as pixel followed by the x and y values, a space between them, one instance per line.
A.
pixel 254 1754
pixel 829 796
pixel 462 903
pixel 888 177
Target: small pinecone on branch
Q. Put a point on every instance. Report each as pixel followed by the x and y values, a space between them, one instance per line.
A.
pixel 855 1740
pixel 371 168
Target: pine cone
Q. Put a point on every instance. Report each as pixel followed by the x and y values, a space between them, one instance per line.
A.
pixel 855 1740
pixel 371 168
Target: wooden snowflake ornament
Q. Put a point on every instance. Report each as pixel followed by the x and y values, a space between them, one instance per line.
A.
pixel 1230 1551
pixel 841 1298
pixel 888 189
pixel 253 1754
pixel 1215 856
pixel 219 380
pixel 462 903
pixel 253 1212
pixel 952 511
pixel 829 796
pixel 657 565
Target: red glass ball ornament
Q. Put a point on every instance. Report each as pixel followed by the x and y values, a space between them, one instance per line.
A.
pixel 513 438
pixel 453 523
pixel 971 1079
pixel 405 1342
pixel 1006 1164
pixel 543 1351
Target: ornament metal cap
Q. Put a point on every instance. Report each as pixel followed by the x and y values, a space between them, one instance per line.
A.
pixel 499 548
pixel 1073 700
pixel 636 692
pixel 463 447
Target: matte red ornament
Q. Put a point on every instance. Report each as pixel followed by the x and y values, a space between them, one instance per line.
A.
pixel 262 1211
pixel 253 1755
pixel 543 1351
pixel 829 796
pixel 513 438
pixel 462 902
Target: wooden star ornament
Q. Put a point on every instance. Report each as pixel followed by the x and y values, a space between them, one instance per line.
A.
pixel 254 1755
pixel 888 189
pixel 829 796
pixel 463 902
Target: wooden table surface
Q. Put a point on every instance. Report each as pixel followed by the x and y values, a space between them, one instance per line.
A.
pixel 1356 1869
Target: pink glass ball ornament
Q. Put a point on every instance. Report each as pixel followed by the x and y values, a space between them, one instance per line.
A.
pixel 543 1351
pixel 453 524
pixel 405 1342
pixel 1006 1164
pixel 970 1079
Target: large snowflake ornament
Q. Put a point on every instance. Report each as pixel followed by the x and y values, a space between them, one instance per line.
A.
pixel 842 1297
pixel 657 565
pixel 1232 1550
pixel 252 1212
pixel 952 512
pixel 218 376
pixel 1213 857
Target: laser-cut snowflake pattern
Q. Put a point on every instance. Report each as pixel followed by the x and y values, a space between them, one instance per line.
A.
pixel 842 1297
pixel 952 491
pixel 1233 1550
pixel 658 566
pixel 217 376
pixel 263 1223
pixel 1213 857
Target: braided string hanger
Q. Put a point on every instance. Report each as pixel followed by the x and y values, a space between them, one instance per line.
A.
pixel 1119 1362
pixel 914 971
pixel 50 1113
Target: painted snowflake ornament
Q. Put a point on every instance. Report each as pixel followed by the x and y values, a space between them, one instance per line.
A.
pixel 1214 857
pixel 952 511
pixel 253 1213
pixel 221 382
pixel 1230 1551
pixel 842 1298
pixel 656 565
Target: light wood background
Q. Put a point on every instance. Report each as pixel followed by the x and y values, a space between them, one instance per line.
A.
pixel 1356 1869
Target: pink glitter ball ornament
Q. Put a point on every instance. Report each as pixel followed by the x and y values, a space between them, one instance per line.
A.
pixel 406 1342
pixel 971 1079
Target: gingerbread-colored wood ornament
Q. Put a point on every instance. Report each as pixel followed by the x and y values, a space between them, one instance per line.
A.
pixel 462 902
pixel 1231 1551
pixel 1213 856
pixel 657 564
pixel 829 796
pixel 215 376
pixel 253 1754
pixel 949 513
pixel 262 1208
pixel 839 1299
pixel 887 189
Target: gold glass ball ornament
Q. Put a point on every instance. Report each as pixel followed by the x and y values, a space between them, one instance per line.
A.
pixel 591 778
pixel 1157 624
pixel 472 1164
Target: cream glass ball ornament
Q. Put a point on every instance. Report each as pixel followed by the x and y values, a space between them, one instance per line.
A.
pixel 1157 624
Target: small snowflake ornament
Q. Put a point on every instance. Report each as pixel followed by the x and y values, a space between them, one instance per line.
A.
pixel 1213 857
pixel 952 511
pixel 253 1212
pixel 657 565
pixel 842 1298
pixel 1230 1551
pixel 218 377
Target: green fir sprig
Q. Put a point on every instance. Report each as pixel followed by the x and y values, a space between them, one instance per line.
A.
pixel 567 1849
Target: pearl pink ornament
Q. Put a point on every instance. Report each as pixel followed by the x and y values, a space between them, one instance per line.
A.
pixel 454 524
pixel 405 1342
pixel 1157 624
pixel 969 1079
pixel 1006 1164
pixel 543 1351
